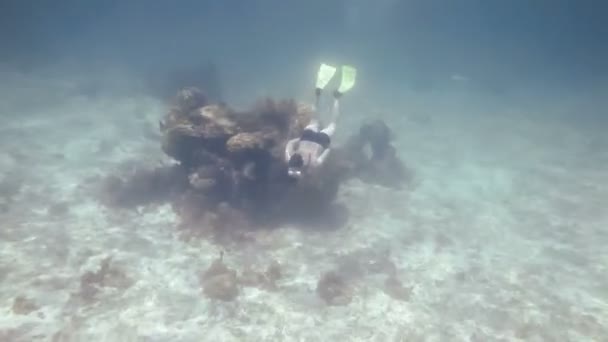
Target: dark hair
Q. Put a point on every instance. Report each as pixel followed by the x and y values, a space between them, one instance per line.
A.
pixel 296 161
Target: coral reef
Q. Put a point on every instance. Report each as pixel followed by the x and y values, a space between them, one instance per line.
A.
pixel 373 263
pixel 367 262
pixel 109 275
pixel 395 288
pixel 219 282
pixel 230 172
pixel 264 280
pixel 334 289
pixel 380 165
pixel 23 305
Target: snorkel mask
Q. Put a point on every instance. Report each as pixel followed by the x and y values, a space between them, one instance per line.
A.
pixel 294 173
pixel 295 166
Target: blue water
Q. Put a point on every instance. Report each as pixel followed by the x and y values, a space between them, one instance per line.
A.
pixel 497 107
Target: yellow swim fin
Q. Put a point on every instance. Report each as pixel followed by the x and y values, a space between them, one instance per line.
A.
pixel 325 74
pixel 349 77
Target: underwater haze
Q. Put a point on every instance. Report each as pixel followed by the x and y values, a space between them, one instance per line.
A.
pixel 496 231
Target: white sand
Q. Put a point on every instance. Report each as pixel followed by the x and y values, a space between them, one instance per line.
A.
pixel 502 236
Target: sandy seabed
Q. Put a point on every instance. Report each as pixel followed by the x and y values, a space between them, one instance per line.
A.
pixel 501 236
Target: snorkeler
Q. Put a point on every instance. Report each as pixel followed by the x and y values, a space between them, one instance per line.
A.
pixel 309 151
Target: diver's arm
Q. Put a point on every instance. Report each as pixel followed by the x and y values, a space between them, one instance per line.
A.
pixel 335 112
pixel 322 157
pixel 289 149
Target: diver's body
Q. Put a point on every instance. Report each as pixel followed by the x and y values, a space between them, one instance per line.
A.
pixel 308 152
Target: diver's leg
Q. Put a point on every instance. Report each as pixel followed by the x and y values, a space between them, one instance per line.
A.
pixel 313 125
pixel 330 129
pixel 335 113
pixel 335 110
pixel 317 100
